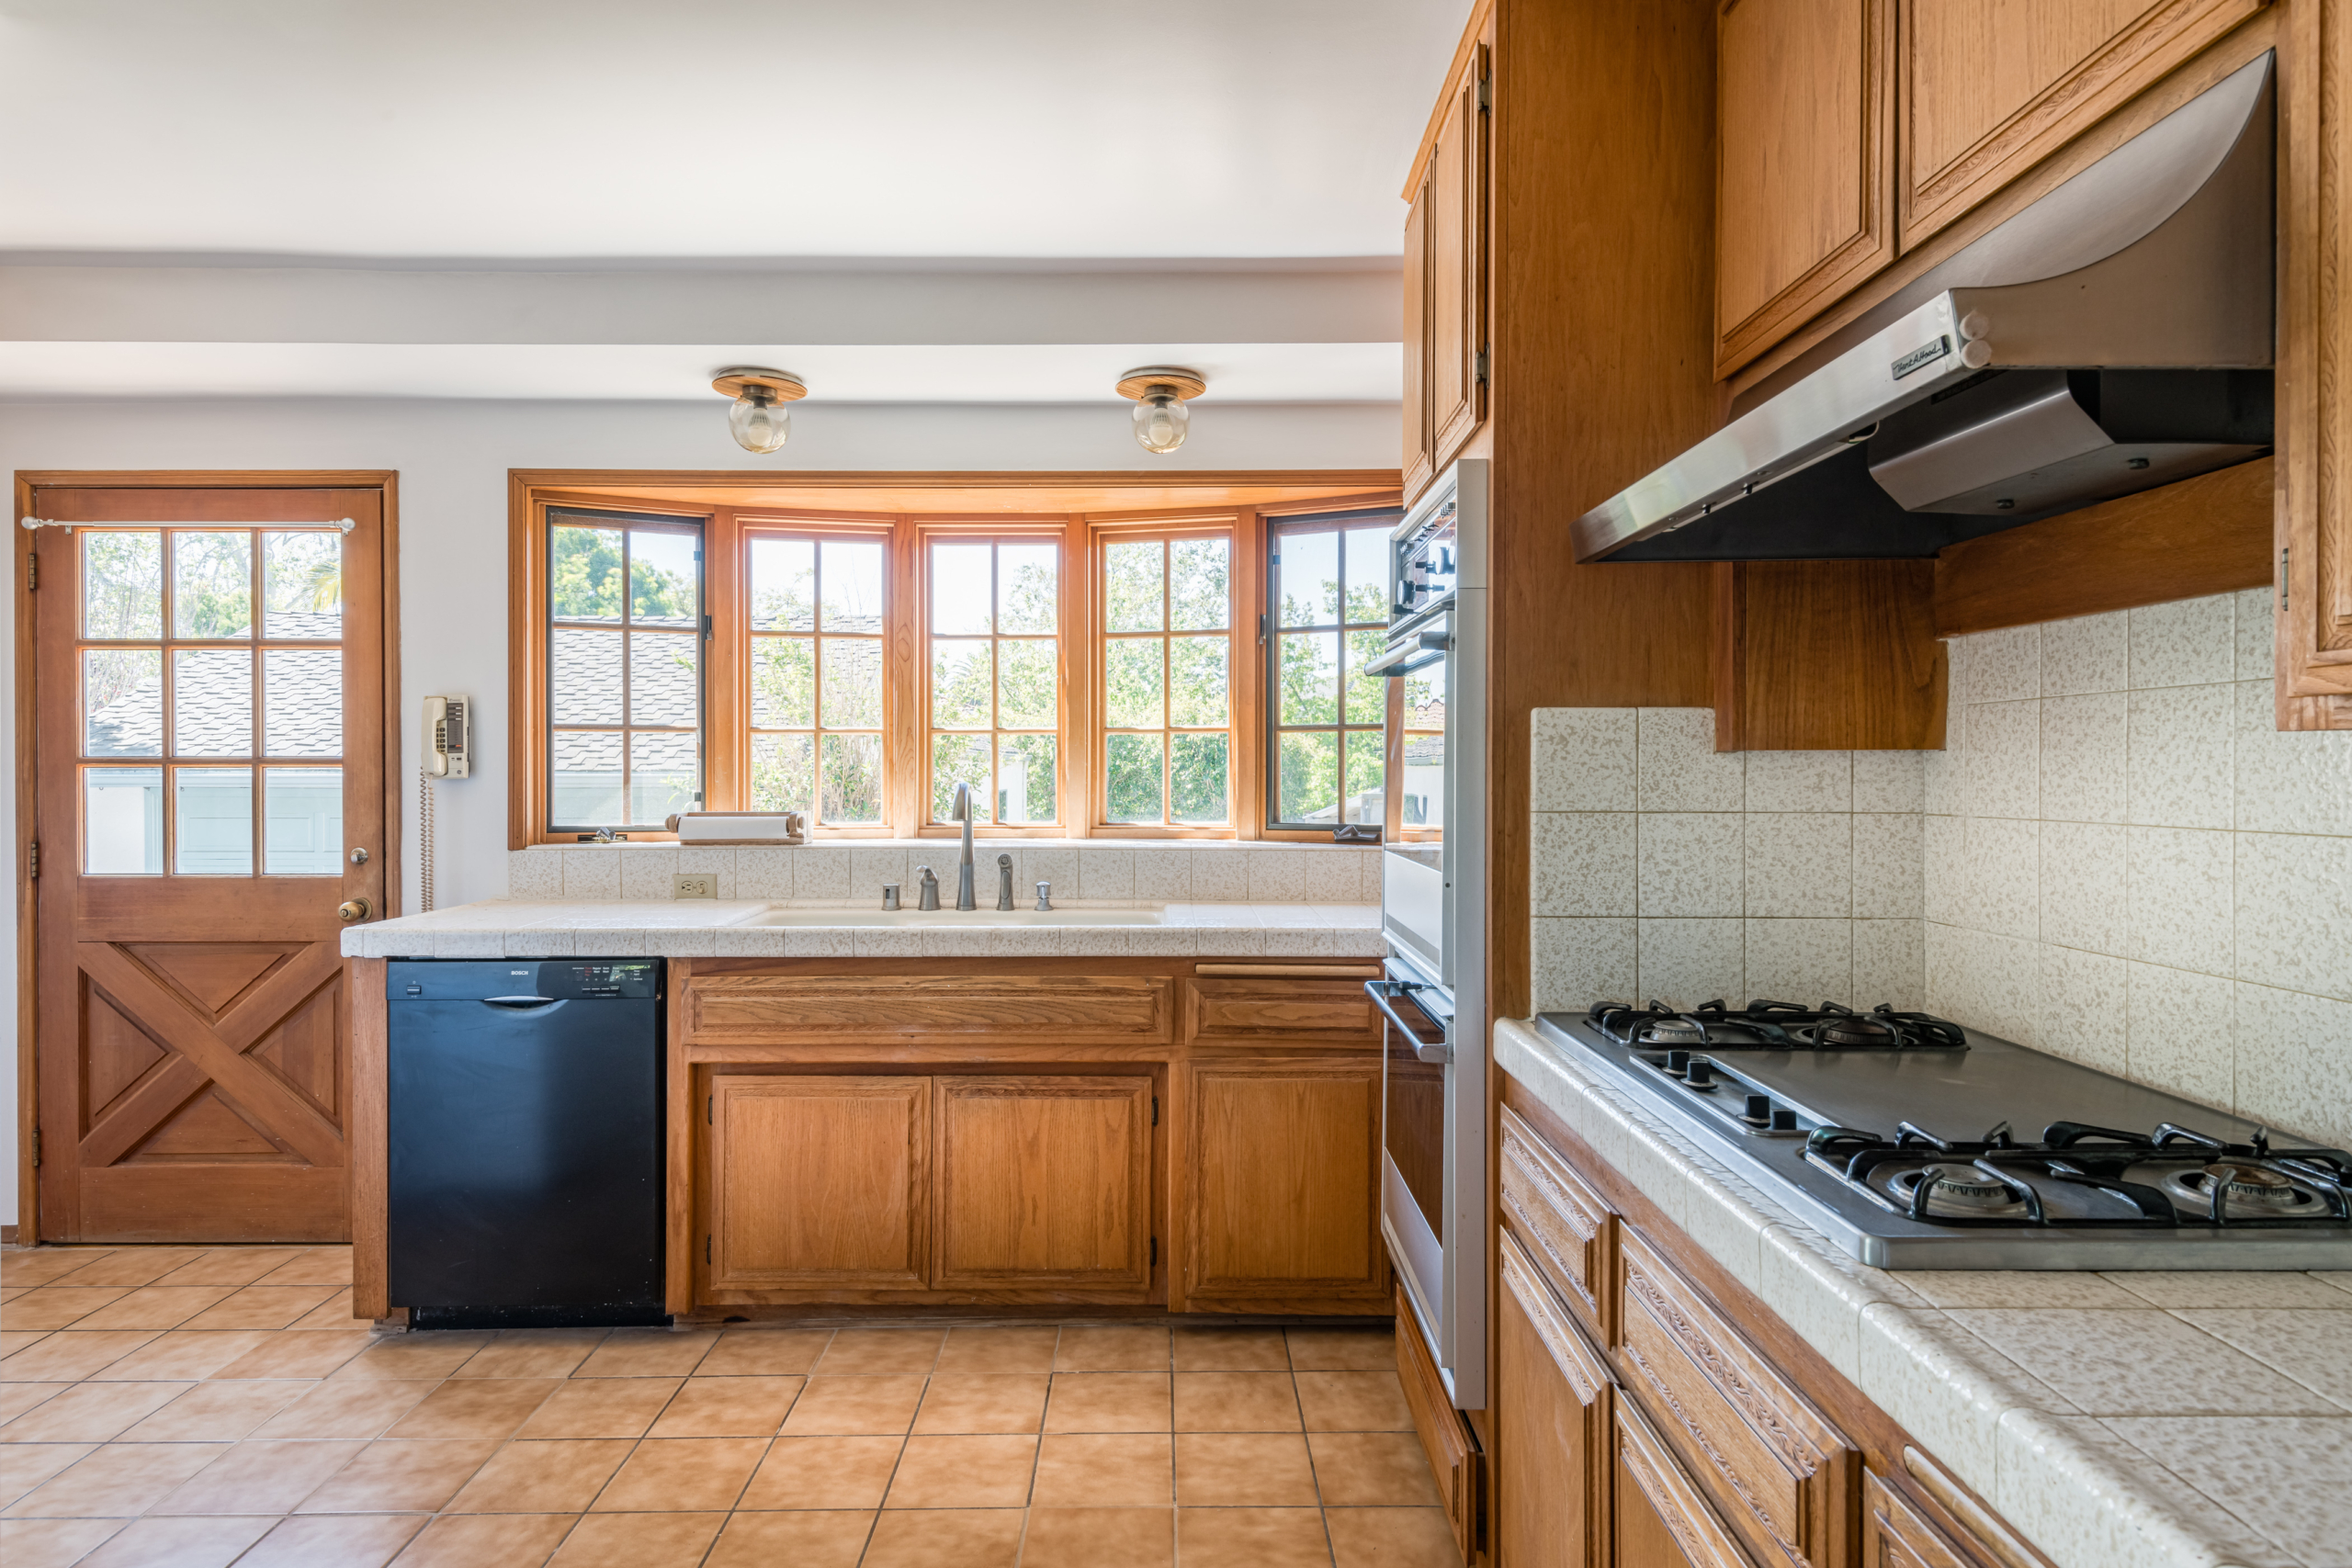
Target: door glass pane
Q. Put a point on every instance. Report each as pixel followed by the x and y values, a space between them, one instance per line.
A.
pixel 1196 680
pixel 212 821
pixel 663 581
pixel 783 585
pixel 1024 684
pixel 213 702
pixel 959 590
pixel 959 758
pixel 784 682
pixel 212 584
pixel 586 781
pixel 1132 685
pixel 664 775
pixel 1367 574
pixel 587 677
pixel 1367 776
pixel 1197 765
pixel 1028 579
pixel 1311 678
pixel 1132 589
pixel 853 682
pixel 1200 590
pixel 1308 784
pixel 1310 579
pixel 1025 779
pixel 122 821
pixel 850 778
pixel 301 821
pixel 853 585
pixel 784 772
pixel 661 684
pixel 960 683
pixel 122 702
pixel 303 586
pixel 122 585
pixel 302 695
pixel 1133 767
pixel 584 573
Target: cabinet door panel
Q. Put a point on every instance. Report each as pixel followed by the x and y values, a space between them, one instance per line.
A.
pixel 1568 1229
pixel 1660 1519
pixel 1044 1182
pixel 1418 447
pixel 1282 1162
pixel 1894 1536
pixel 1552 1426
pixel 818 1181
pixel 1458 226
pixel 1068 1009
pixel 1337 1012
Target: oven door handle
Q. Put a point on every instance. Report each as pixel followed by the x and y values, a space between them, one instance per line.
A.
pixel 1380 991
pixel 1423 649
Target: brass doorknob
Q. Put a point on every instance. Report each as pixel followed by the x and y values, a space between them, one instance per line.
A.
pixel 354 909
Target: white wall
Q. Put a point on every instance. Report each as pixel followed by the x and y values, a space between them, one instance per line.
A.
pixel 452 459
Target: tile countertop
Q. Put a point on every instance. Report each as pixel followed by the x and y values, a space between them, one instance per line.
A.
pixel 699 928
pixel 2122 1420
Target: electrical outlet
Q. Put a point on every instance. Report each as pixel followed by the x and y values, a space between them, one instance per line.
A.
pixel 695 884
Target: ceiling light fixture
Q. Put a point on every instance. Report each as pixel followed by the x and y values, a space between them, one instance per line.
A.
pixel 1159 392
pixel 759 421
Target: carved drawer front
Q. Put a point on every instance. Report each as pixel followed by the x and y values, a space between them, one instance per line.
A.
pixel 1659 1517
pixel 1781 1475
pixel 1565 1226
pixel 1038 1008
pixel 1294 1010
pixel 1894 1536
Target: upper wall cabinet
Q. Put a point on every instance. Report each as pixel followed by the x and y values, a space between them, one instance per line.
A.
pixel 1804 187
pixel 1445 277
pixel 1991 87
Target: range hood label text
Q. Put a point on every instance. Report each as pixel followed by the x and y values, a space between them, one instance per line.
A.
pixel 1925 354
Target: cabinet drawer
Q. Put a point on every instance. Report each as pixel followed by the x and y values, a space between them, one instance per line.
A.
pixel 1659 1516
pixel 1783 1476
pixel 1060 1009
pixel 1335 1012
pixel 1563 1224
pixel 1894 1536
pixel 1446 1437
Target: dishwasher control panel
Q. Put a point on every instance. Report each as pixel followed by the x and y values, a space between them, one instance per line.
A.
pixel 523 979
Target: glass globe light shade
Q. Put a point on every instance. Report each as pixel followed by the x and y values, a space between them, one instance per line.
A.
pixel 760 423
pixel 1161 419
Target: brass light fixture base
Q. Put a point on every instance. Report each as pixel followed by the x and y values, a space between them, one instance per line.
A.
pixel 1136 385
pixel 731 382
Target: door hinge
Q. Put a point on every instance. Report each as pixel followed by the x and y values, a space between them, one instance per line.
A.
pixel 36 1148
pixel 1155 1252
pixel 2282 575
pixel 705 1249
pixel 32 572
pixel 1481 368
pixel 1155 1111
pixel 710 1111
pixel 1486 93
pixel 32 861
pixel 705 629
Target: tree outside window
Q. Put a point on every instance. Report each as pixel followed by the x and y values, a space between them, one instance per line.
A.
pixel 817 620
pixel 992 656
pixel 1327 591
pixel 1167 680
pixel 625 670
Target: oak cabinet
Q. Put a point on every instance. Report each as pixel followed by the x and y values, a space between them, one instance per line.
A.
pixel 1445 278
pixel 1456 1462
pixel 819 1182
pixel 1421 445
pixel 1567 1230
pixel 1894 1536
pixel 1044 1182
pixel 1552 1421
pixel 1657 1517
pixel 2313 602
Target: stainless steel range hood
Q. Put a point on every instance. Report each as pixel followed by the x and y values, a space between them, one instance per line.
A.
pixel 2115 335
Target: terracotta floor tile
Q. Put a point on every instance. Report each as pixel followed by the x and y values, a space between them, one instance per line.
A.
pixel 940 1537
pixel 24 1466
pixel 348 1540
pixel 1372 1469
pixel 964 1473
pixel 388 1477
pixel 764 1352
pixel 1391 1537
pixel 45 1265
pixel 1257 1469
pixel 91 1411
pixel 172 1357
pixel 260 1306
pixel 1109 1401
pixel 230 1265
pixel 998 1350
pixel 116 1480
pixel 823 1472
pixel 320 1266
pixel 871 1405
pixel 1230 1350
pixel 300 1356
pixel 332 1312
pixel 213 1412
pixel 682 1475
pixel 1354 1402
pixel 15 1340
pixel 729 1407
pixel 1236 1402
pixel 1105 1470
pixel 161 1306
pixel 1096 1537
pixel 648 1353
pixel 258 1478
pixel 1252 1537
pixel 982 1402
pixel 10 1292
pixel 55 1306
pixel 541 1477
pixel 51 1543
pixel 870 1352
pixel 16 1398
pixel 1113 1348
pixel 490 1408
pixel 601 1407
pixel 72 1355
pixel 496 1540
pixel 432 1353
pixel 533 1353
pixel 134 1266
pixel 809 1539
pixel 180 1542
pixel 638 1540
pixel 1368 1350
pixel 333 1409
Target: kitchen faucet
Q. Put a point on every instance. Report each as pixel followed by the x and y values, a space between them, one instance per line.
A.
pixel 963 812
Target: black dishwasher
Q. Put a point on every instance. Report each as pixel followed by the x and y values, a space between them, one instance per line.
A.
pixel 524 1113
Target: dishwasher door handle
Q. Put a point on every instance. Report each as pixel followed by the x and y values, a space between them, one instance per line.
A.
pixel 517 1001
pixel 1436 1054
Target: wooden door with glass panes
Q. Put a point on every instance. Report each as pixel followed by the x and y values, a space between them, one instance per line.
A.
pixel 209 696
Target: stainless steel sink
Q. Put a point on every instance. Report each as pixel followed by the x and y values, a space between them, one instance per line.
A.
pixel 1147 915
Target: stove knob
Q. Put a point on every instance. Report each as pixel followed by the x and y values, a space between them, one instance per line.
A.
pixel 1677 1062
pixel 1784 1121
pixel 1759 1109
pixel 1701 1074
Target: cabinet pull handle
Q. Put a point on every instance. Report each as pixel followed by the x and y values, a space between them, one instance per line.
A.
pixel 1286 972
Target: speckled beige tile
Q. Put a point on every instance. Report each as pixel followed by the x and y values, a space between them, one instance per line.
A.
pixel 1583 864
pixel 1220 876
pixel 2005 875
pixel 2287 781
pixel 1943 784
pixel 1580 962
pixel 2019 1287
pixel 2137 1363
pixel 2181 772
pixel 823 872
pixel 2003 666
pixel 1820 1292
pixel 2085 886
pixel 2294 905
pixel 1944 1386
pixel 2189 642
pixel 1891 964
pixel 1943 860
pixel 1890 780
pixel 1800 863
pixel 1727 1218
pixel 1676 765
pixel 1688 962
pixel 2005 760
pixel 592 874
pixel 2082 1009
pixel 2198 1289
pixel 1808 962
pixel 646 871
pixel 2084 748
pixel 2254 624
pixel 1688 862
pixel 1890 855
pixel 2300 1507
pixel 2314 1348
pixel 2296 1087
pixel 1277 876
pixel 2089 1499
pixel 535 874
pixel 2178 1032
pixel 1799 780
pixel 2179 907
pixel 1331 877
pixel 1582 759
pixel 2088 654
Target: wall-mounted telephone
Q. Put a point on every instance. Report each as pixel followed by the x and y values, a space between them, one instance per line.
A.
pixel 447 747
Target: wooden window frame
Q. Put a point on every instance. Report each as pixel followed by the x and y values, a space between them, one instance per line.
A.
pixel 1269 676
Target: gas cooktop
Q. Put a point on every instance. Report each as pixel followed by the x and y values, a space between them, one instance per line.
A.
pixel 1897 1133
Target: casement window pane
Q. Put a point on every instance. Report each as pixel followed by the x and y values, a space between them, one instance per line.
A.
pixel 122 702
pixel 212 821
pixel 1198 683
pixel 301 821
pixel 1367 575
pixel 851 779
pixel 853 585
pixel 664 775
pixel 1310 579
pixel 665 580
pixel 1133 695
pixel 584 574
pixel 213 702
pixel 122 821
pixel 1197 770
pixel 961 577
pixel 1028 589
pixel 1367 776
pixel 303 586
pixel 853 682
pixel 122 584
pixel 212 586
pixel 1025 683
pixel 1308 777
pixel 784 682
pixel 1134 777
pixel 959 758
pixel 1133 591
pixel 662 687
pixel 1200 589
pixel 962 685
pixel 586 676
pixel 1424 782
pixel 1310 677
pixel 784 772
pixel 586 777
pixel 1425 697
pixel 1025 779
pixel 783 585
pixel 301 702
pixel 1366 697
